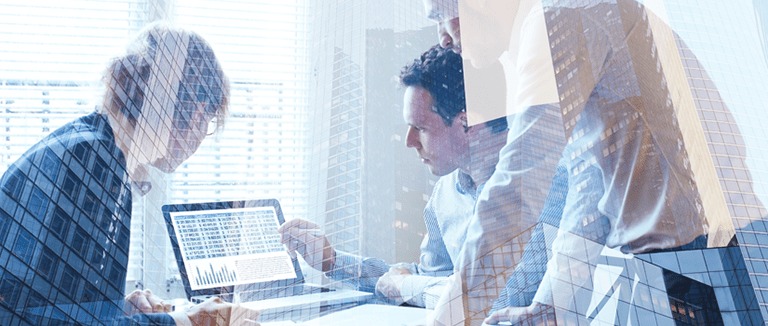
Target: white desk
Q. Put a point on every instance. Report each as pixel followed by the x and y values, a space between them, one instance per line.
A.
pixel 303 307
pixel 369 315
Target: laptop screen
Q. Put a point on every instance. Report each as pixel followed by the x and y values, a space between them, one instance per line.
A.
pixel 225 244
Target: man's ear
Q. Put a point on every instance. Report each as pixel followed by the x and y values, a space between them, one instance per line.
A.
pixel 462 118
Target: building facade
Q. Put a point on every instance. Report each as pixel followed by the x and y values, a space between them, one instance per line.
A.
pixel 364 179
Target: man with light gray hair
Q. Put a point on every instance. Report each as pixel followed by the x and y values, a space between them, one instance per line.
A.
pixel 65 211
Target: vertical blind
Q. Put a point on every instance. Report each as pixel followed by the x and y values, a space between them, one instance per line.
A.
pixel 52 55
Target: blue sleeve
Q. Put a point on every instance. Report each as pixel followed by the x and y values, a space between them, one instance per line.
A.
pixel 434 259
pixel 522 285
pixel 360 272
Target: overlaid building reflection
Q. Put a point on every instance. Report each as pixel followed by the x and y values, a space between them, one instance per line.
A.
pixel 657 178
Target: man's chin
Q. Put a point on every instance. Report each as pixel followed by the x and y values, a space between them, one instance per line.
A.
pixel 438 172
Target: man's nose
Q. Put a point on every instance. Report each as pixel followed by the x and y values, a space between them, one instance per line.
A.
pixel 411 139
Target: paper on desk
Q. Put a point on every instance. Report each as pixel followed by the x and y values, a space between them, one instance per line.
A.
pixel 373 315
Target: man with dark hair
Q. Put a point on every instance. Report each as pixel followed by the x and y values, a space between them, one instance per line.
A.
pixel 434 109
pixel 587 75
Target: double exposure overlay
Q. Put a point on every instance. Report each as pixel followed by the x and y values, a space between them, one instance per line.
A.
pixel 645 162
pixel 533 162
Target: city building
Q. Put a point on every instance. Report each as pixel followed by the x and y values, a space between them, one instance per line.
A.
pixel 364 179
pixel 316 122
pixel 715 105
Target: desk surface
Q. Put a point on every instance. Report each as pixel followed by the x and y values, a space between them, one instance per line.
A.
pixel 372 315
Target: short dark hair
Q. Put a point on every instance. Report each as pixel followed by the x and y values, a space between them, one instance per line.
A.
pixel 441 72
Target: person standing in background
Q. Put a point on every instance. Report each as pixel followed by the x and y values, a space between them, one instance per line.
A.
pixel 581 76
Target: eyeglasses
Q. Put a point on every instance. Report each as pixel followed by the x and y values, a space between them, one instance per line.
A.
pixel 213 125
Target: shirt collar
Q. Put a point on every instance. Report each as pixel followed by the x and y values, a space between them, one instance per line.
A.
pixel 464 183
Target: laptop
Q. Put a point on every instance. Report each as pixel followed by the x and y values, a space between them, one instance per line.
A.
pixel 232 249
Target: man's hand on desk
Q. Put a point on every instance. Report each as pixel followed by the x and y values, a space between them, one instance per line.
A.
pixel 309 240
pixel 391 283
pixel 535 314
pixel 145 302
pixel 215 311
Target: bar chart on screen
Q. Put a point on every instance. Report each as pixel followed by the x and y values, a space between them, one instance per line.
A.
pixel 231 247
pixel 214 275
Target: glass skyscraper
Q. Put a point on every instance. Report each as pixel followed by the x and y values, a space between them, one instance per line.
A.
pixel 708 62
pixel 316 122
pixel 364 179
pixel 724 89
pixel 698 64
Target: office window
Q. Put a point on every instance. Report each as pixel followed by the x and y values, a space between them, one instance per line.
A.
pixel 315 121
pixel 55 54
